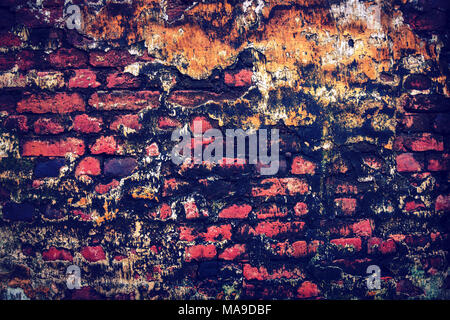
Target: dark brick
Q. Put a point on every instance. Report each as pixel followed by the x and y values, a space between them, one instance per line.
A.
pixel 417 82
pixel 411 122
pixel 431 20
pixel 49 168
pixel 441 123
pixel 120 167
pixel 68 58
pixel 19 211
pixel 208 269
pixel 425 103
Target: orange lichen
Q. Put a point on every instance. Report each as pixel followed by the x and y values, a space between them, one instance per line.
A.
pixel 108 215
pixel 143 193
pixel 310 36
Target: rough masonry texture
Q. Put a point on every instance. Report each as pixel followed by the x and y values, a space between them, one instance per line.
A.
pixel 358 90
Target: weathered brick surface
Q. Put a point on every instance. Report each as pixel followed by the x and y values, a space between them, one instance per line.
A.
pixel 362 107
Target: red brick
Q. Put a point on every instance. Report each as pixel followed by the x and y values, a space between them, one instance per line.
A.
pixel 233 252
pixel 313 246
pixel 10 40
pixel 281 186
pixel 363 228
pixel 407 162
pixel 112 58
pixel 427 142
pixel 438 162
pixel 417 82
pixel 200 141
pixel 16 123
pixel 254 273
pixel 6 61
pixel 372 162
pixel 388 247
pixel 442 203
pixel 191 210
pixel 301 209
pixel 340 229
pixel 375 245
pixel 348 242
pixel 53 254
pixel 84 78
pixel 236 212
pixel 186 234
pixel 152 150
pixel 271 211
pixel 195 98
pixel 398 238
pixel 218 233
pixel 130 121
pixel 86 124
pixel 414 206
pixel 171 185
pixel 35 148
pixel 125 100
pixel 346 188
pixel 48 126
pixel 93 254
pixel 419 143
pixel 25 60
pixel 88 166
pixel 299 249
pixel 241 78
pixel 275 228
pixel 200 252
pixel 122 80
pixel 346 205
pixel 107 145
pixel 261 273
pixel 51 103
pixel 201 125
pixel 105 188
pixel 164 212
pixel 308 290
pixel 417 240
pixel 424 103
pixel 282 248
pixel 166 123
pixel 68 58
pixel 414 122
pixel 302 166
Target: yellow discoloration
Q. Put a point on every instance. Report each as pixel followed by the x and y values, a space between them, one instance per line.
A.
pixel 300 117
pixel 310 35
pixel 253 122
pixel 144 193
pixel 350 120
pixel 108 215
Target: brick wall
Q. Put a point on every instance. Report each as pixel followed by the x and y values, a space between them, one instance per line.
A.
pixel 86 177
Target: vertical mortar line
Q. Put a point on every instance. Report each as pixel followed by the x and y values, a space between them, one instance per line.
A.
pixel 327 142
